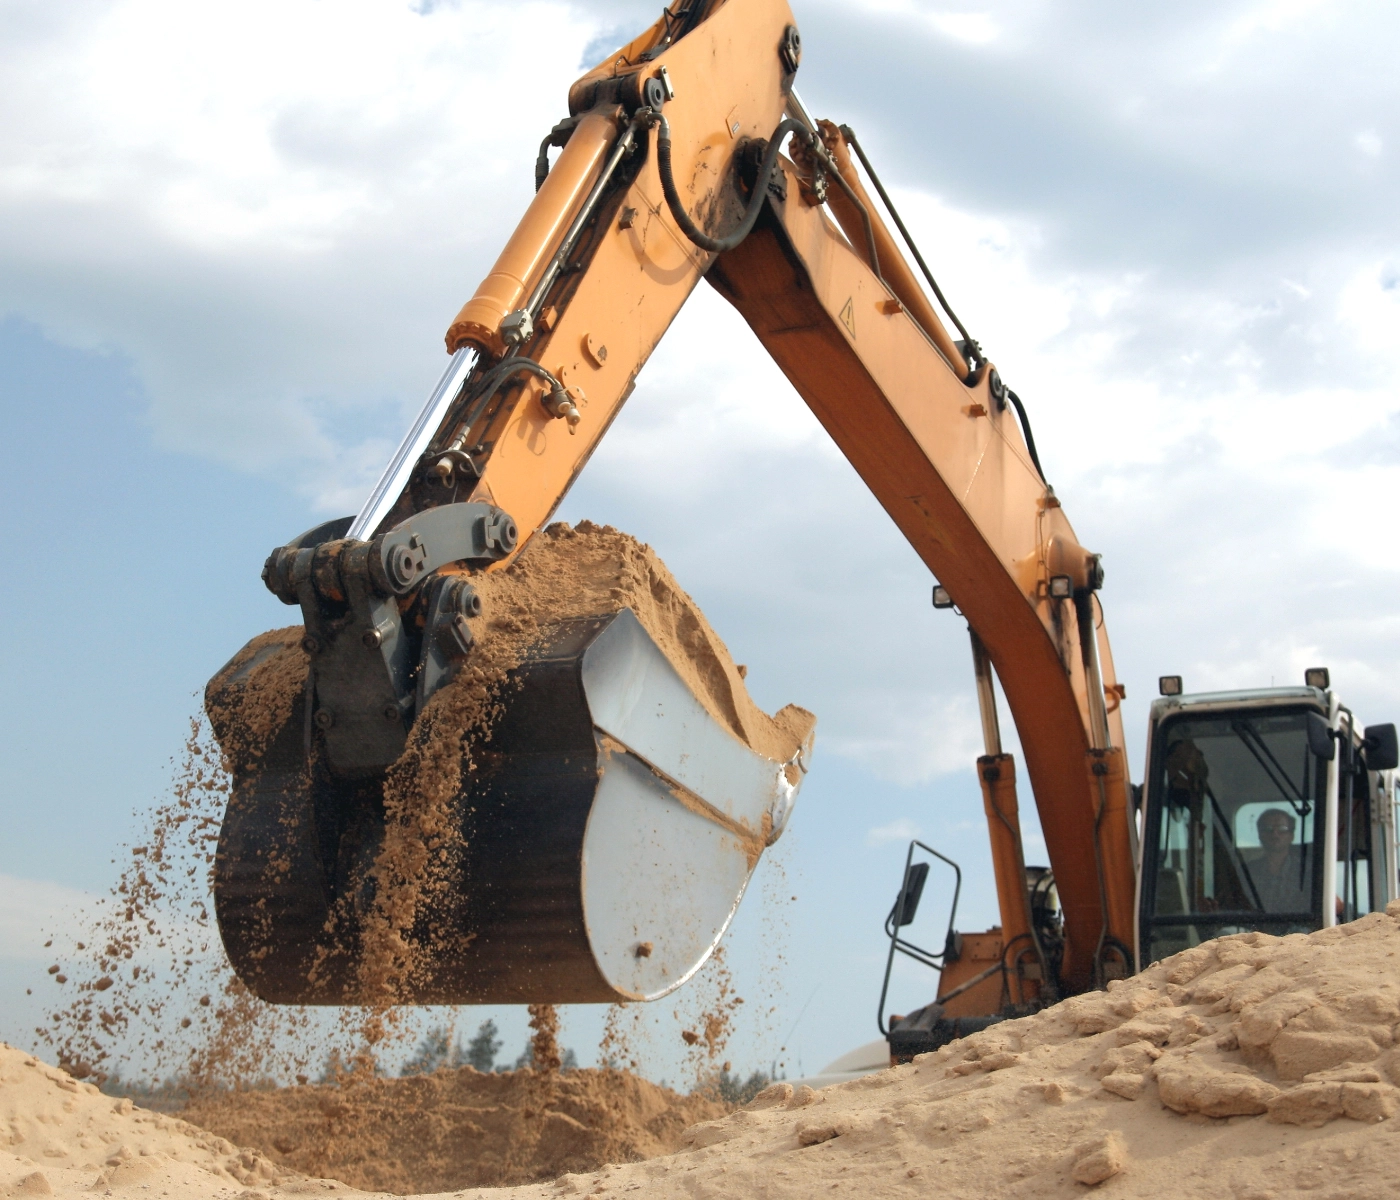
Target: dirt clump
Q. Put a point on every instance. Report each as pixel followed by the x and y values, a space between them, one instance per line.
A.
pixel 457 1128
pixel 271 674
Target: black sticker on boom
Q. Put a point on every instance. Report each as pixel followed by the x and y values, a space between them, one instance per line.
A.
pixel 848 317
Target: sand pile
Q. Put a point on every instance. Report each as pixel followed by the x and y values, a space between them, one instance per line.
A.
pixel 593 569
pixel 1252 1068
pixel 458 1128
pixel 59 1134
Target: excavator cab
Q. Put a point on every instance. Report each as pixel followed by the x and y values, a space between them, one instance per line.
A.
pixel 1266 810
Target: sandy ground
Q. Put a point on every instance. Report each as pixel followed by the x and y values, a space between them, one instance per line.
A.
pixel 1253 1068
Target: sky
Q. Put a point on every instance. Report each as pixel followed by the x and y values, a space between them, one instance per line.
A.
pixel 231 238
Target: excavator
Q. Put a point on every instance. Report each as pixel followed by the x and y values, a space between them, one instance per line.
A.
pixel 612 825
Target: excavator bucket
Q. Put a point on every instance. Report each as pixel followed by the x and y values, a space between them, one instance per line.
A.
pixel 601 836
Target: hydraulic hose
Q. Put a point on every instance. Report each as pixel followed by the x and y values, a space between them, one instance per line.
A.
pixel 492 381
pixel 558 137
pixel 973 350
pixel 1026 429
pixel 760 187
pixel 558 405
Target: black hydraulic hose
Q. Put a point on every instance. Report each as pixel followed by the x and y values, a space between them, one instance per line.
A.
pixel 559 404
pixel 489 384
pixel 972 349
pixel 760 187
pixel 559 137
pixel 542 161
pixel 1026 429
pixel 690 17
pixel 493 379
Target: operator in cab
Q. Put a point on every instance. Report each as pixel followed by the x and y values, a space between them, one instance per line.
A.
pixel 1278 868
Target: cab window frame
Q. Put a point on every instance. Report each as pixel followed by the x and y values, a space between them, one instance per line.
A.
pixel 1211 924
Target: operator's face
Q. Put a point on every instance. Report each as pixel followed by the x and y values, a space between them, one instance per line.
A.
pixel 1275 831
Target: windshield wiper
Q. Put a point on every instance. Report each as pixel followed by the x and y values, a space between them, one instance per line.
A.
pixel 1254 743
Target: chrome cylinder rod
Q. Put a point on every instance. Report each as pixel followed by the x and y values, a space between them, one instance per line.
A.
pixel 986 696
pixel 395 478
pixel 798 111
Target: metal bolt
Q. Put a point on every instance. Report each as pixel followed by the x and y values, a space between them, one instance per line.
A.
pixel 790 49
pixel 324 718
pixel 311 644
pixel 997 388
pixel 372 639
pixel 653 94
pixel 391 712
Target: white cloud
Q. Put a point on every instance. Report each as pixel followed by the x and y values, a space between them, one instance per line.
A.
pixel 1369 143
pixel 900 830
pixel 272 214
pixel 33 911
pixel 974 28
pixel 911 738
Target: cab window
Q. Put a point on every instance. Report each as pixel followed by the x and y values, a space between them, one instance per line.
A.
pixel 1235 829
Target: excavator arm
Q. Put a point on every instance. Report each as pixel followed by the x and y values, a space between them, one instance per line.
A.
pixel 671 170
pixel 946 458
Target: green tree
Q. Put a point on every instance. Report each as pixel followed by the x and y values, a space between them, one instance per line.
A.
pixel 482 1049
pixel 738 1091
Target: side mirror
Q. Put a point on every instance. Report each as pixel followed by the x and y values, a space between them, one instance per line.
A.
pixel 1380 748
pixel 1320 738
pixel 907 902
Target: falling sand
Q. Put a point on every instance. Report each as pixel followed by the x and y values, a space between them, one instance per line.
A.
pixel 458 1128
pixel 151 979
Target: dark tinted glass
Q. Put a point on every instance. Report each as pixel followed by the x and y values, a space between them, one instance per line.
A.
pixel 1233 842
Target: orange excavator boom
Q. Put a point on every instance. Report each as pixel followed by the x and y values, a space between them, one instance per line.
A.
pixel 687 155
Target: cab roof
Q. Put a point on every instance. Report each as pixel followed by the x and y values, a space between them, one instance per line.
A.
pixel 1251 698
